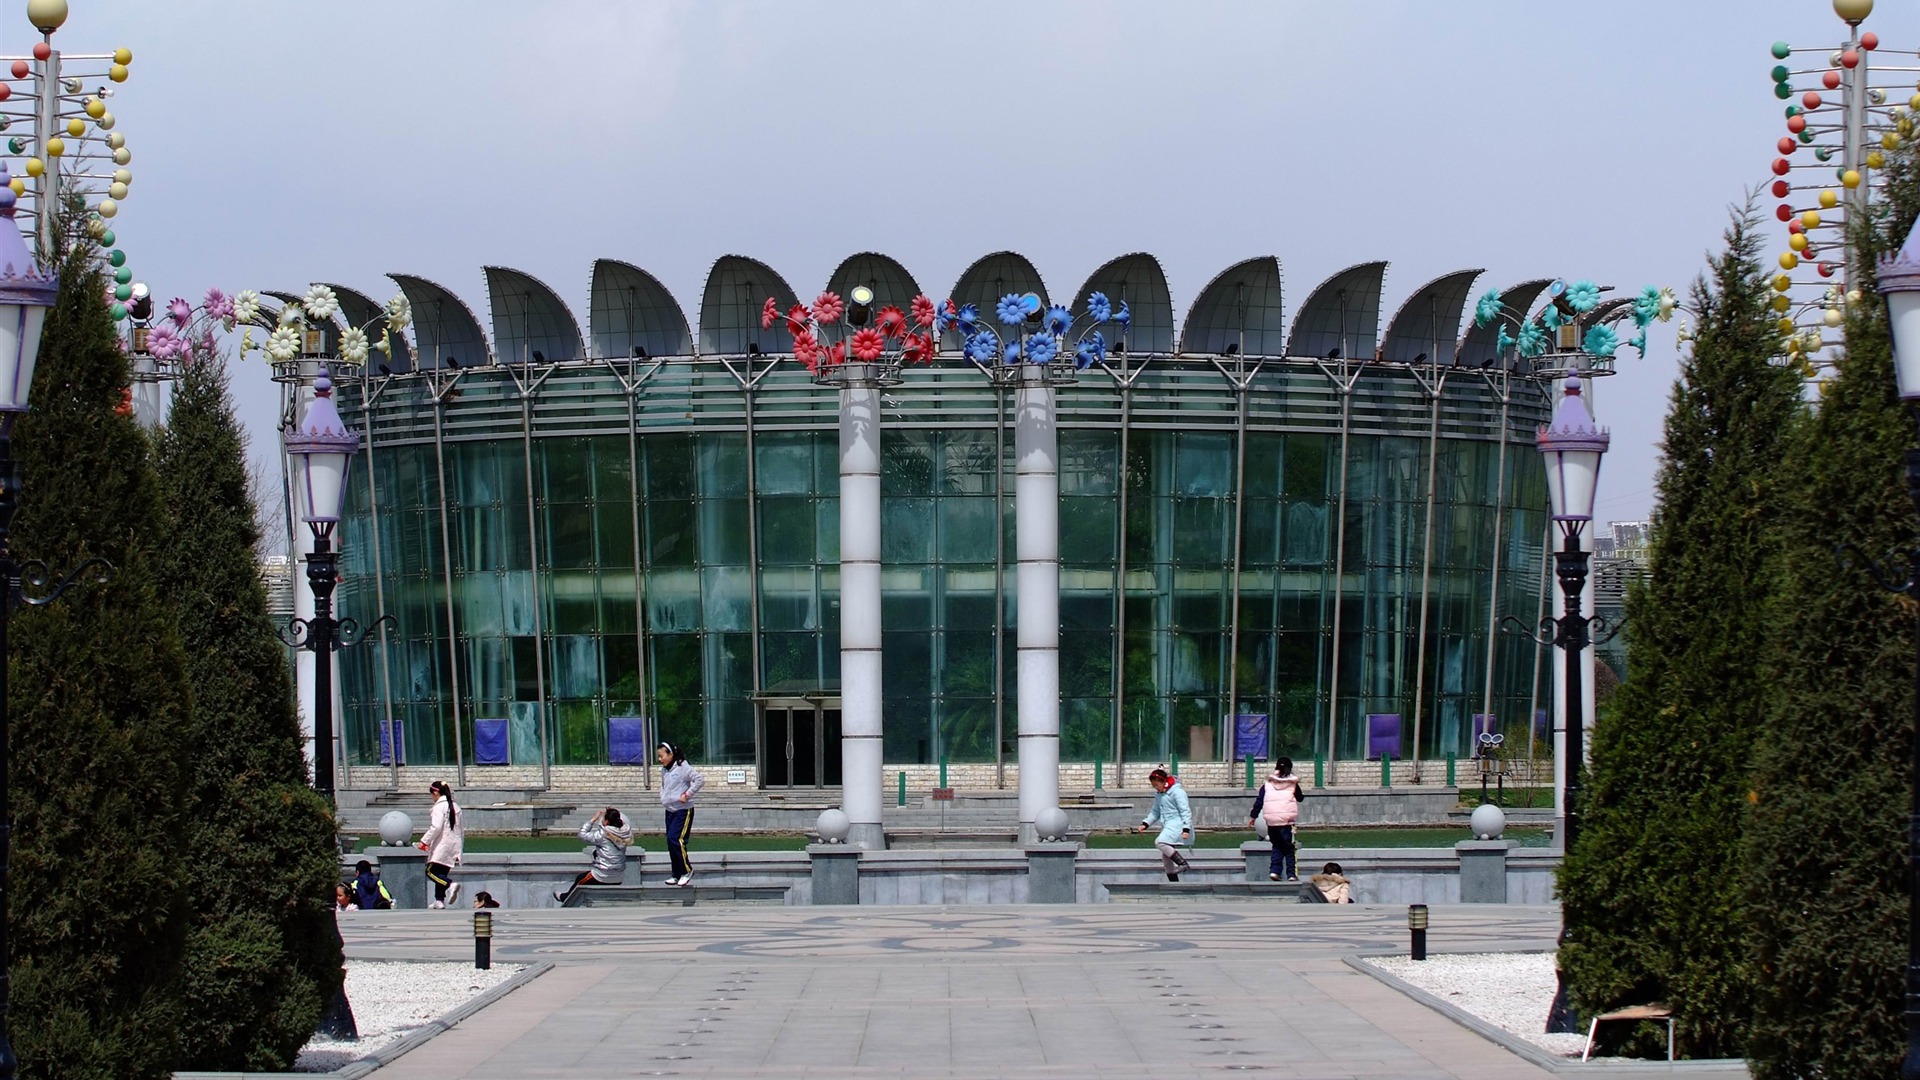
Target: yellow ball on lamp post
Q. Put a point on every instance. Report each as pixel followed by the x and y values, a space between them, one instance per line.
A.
pixel 1788 260
pixel 1810 219
pixel 1798 241
pixel 118 73
pixel 1853 11
pixel 46 16
pixel 76 127
pixel 1781 283
pixel 1781 304
pixel 96 108
pixel 19 185
pixel 35 167
pixel 1850 178
pixel 1785 325
pixel 56 147
pixel 1829 200
pixel 123 57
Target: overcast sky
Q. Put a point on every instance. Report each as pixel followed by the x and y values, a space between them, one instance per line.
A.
pixel 275 144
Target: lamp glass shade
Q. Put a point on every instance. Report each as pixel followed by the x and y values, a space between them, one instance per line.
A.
pixel 321 480
pixel 20 326
pixel 1572 445
pixel 1573 477
pixel 1903 317
pixel 319 452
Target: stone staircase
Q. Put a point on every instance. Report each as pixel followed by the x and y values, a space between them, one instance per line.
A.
pixel 676 896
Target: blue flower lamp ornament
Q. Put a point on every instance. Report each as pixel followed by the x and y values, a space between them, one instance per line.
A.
pixel 1571 305
pixel 1033 334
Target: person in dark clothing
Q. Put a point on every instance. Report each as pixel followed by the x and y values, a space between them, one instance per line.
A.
pixel 368 890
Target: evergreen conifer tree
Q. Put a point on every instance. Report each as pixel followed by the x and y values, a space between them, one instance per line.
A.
pixel 263 958
pixel 1827 830
pixel 1653 888
pixel 99 703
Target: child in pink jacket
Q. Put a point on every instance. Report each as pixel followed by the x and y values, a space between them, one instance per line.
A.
pixel 1278 802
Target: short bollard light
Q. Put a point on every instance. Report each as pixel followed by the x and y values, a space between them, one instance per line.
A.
pixel 1417 923
pixel 483 940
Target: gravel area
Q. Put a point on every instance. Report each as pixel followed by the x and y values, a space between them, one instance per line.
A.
pixel 1511 991
pixel 393 998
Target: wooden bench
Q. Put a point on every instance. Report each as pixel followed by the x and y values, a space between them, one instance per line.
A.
pixel 1632 1012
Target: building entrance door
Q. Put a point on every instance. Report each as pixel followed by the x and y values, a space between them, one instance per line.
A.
pixel 799 744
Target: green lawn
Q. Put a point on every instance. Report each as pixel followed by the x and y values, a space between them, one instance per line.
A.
pixel 1440 836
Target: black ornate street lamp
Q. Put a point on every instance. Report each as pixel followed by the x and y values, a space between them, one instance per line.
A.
pixel 1572 445
pixel 320 451
pixel 26 292
pixel 1899 282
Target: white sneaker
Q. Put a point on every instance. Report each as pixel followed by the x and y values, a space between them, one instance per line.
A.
pixel 453 890
pixel 675 881
pixel 685 879
pixel 435 904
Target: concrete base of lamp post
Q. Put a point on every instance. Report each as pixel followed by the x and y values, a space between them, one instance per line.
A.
pixel 404 870
pixel 1050 872
pixel 1483 870
pixel 836 873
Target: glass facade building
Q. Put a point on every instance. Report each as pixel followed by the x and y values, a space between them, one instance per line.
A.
pixel 1311 521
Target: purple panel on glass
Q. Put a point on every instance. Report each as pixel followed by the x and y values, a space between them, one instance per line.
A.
pixel 627 741
pixel 1383 735
pixel 490 742
pixel 1483 724
pixel 1250 736
pixel 392 733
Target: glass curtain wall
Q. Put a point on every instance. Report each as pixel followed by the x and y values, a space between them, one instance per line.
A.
pixel 557 572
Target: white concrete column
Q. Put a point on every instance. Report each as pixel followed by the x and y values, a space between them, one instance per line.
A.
pixel 861 783
pixel 1036 495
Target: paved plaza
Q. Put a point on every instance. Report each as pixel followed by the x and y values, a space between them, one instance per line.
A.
pixel 1093 990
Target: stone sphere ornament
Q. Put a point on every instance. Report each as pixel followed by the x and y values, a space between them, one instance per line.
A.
pixel 396 828
pixel 1488 822
pixel 1051 823
pixel 833 825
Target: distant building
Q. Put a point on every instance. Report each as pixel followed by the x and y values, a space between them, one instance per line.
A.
pixel 1620 557
pixel 276 572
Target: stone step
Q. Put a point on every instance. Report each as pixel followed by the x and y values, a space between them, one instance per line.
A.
pixel 676 896
pixel 1162 892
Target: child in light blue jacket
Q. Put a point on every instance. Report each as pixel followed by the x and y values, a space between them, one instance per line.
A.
pixel 1175 818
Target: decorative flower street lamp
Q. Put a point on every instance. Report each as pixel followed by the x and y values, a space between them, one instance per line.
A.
pixel 1572 336
pixel 303 341
pixel 850 345
pixel 1899 282
pixel 1036 349
pixel 320 451
pixel 26 292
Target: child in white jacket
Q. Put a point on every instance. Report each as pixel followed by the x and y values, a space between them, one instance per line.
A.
pixel 443 843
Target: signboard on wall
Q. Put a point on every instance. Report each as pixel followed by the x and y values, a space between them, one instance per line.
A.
pixel 627 741
pixel 1250 736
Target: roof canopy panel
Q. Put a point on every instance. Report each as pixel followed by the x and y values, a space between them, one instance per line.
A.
pixel 1238 311
pixel 359 309
pixel 1477 345
pixel 629 313
pixel 1424 329
pixel 737 288
pixel 1138 280
pixel 890 282
pixel 989 279
pixel 1343 314
pixel 529 318
pixel 445 333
